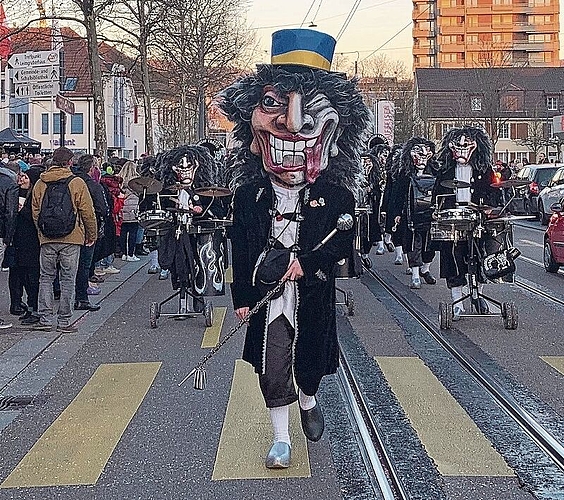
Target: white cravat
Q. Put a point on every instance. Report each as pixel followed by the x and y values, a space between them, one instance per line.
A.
pixel 463 174
pixel 285 232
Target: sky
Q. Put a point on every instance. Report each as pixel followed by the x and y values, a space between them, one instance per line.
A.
pixel 373 24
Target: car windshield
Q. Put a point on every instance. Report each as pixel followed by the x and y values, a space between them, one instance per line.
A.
pixel 543 175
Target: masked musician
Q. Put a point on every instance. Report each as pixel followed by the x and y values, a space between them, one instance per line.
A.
pixel 392 236
pixel 410 207
pixel 300 128
pixel 182 170
pixel 465 155
pixel 374 164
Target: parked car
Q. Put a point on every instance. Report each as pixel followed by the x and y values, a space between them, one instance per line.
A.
pixel 526 197
pixel 552 193
pixel 553 254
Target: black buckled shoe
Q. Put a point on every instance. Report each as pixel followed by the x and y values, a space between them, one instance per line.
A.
pixel 429 278
pixel 313 423
pixel 480 305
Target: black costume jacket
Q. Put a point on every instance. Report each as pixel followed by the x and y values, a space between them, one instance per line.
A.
pixel 402 203
pixel 315 343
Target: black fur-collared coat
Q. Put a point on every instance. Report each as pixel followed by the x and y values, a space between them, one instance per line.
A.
pixel 315 343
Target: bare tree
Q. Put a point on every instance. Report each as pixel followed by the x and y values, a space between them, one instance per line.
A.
pixel 202 44
pixel 137 22
pixel 90 11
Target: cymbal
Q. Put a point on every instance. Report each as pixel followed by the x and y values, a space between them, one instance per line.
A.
pixel 213 191
pixel 145 185
pixel 511 183
pixel 455 184
pixel 509 218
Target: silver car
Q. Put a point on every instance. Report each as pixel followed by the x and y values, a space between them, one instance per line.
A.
pixel 552 193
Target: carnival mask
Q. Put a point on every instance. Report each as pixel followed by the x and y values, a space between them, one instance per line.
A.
pixel 420 155
pixel 367 164
pixel 383 156
pixel 295 135
pixel 462 148
pixel 186 171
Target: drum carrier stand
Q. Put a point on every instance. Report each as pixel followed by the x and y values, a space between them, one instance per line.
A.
pixel 500 227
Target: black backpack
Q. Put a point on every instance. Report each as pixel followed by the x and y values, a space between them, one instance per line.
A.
pixel 57 217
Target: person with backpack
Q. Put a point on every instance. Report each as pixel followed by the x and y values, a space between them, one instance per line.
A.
pixel 63 211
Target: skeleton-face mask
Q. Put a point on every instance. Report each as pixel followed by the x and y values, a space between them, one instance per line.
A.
pixel 186 171
pixel 420 155
pixel 462 148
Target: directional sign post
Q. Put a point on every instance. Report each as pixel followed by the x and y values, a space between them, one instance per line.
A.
pixel 64 104
pixel 37 74
pixel 36 89
pixel 31 59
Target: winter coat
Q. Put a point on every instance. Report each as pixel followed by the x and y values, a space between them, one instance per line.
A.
pixel 130 210
pixel 315 343
pixel 26 240
pixel 9 193
pixel 86 227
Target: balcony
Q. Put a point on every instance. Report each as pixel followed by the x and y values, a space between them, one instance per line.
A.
pixel 532 46
pixel 452 30
pixel 420 33
pixel 424 51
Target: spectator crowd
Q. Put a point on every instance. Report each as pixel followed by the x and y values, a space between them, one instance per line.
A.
pixel 63 220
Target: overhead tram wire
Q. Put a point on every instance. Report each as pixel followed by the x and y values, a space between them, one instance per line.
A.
pixel 351 14
pixel 307 13
pixel 391 38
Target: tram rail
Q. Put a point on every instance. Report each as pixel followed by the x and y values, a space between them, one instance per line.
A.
pixel 379 465
pixel 532 428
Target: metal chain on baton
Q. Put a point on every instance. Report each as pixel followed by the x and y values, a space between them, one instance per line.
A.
pixel 199 371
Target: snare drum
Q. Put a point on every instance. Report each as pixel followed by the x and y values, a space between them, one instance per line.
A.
pixel 156 219
pixel 446 232
pixel 462 218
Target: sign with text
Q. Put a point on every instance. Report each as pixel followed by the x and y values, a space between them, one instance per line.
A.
pixel 64 104
pixel 386 120
pixel 36 89
pixel 31 59
pixel 36 74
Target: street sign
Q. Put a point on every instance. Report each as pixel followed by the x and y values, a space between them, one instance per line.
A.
pixel 31 59
pixel 36 89
pixel 64 104
pixel 36 74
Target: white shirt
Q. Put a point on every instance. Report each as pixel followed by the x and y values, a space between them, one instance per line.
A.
pixel 463 174
pixel 285 232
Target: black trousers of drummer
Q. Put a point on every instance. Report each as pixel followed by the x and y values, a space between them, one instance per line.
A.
pixel 419 253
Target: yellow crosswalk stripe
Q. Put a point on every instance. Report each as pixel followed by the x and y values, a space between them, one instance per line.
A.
pixel 246 435
pixel 76 447
pixel 557 362
pixel 212 333
pixel 449 435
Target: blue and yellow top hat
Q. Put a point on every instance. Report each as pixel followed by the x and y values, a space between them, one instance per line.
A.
pixel 303 47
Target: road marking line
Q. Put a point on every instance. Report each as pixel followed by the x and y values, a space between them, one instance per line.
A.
pixel 212 333
pixel 532 243
pixel 449 435
pixel 76 447
pixel 557 362
pixel 246 435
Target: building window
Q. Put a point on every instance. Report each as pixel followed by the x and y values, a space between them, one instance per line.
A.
pixel 56 123
pixel 77 123
pixel 445 127
pixel 44 123
pixel 70 84
pixel 552 103
pixel 20 122
pixel 476 103
pixel 503 131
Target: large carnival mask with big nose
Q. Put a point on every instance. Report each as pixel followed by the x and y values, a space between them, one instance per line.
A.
pixel 186 171
pixel 420 155
pixel 294 135
pixel 462 148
